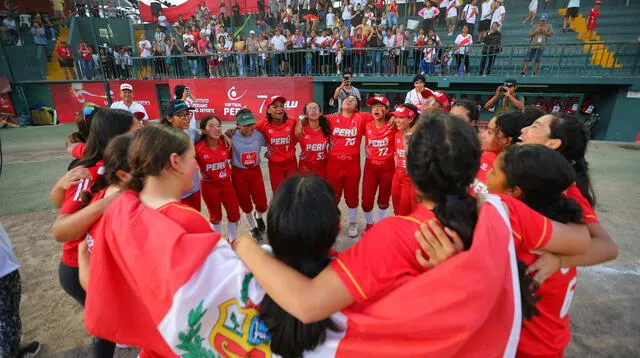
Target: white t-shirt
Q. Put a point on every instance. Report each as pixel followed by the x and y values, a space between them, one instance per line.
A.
pixel 135 107
pixel 452 8
pixel 415 99
pixel 9 23
pixel 464 42
pixel 145 47
pixel 573 3
pixel 471 12
pixel 486 10
pixel 346 13
pixel 162 21
pixel 330 18
pixel 8 261
pixel 279 42
pixel 192 121
pixel 497 14
pixel 319 42
pixel 389 42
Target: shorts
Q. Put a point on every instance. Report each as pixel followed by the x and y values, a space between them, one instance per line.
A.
pixel 10 325
pixel 452 20
pixel 534 53
pixel 571 12
pixel 280 57
pixel 66 63
pixel 484 25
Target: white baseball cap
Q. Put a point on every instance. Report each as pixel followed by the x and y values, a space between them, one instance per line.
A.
pixel 126 86
pixel 252 32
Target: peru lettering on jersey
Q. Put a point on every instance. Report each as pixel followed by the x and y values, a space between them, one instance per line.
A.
pixel 281 140
pixel 379 142
pixel 479 184
pixel 400 152
pixel 346 133
pixel 213 163
pixel 313 144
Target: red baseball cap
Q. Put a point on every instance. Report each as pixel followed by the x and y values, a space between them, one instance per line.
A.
pixel 275 99
pixel 403 112
pixel 439 96
pixel 378 99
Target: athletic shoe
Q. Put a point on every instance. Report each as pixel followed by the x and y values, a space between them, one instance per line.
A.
pixel 255 233
pixel 353 230
pixel 260 221
pixel 366 228
pixel 31 350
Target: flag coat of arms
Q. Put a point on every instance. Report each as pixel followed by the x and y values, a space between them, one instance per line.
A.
pixel 175 294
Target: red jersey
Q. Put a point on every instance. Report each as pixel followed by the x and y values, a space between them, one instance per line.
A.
pixel 73 202
pixel 89 237
pixel 379 141
pixel 588 214
pixel 214 163
pixel 594 14
pixel 400 154
pixel 479 185
pixel 346 133
pixel 192 221
pixel 78 150
pixel 281 140
pixel 386 253
pixel 64 52
pixel 313 145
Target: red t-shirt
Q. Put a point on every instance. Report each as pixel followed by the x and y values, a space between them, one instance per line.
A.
pixel 214 163
pixel 588 214
pixel 386 253
pixel 313 145
pixel 89 236
pixel 86 53
pixel 380 141
pixel 479 185
pixel 346 133
pixel 191 220
pixel 64 52
pixel 73 202
pixel 281 140
pixel 78 150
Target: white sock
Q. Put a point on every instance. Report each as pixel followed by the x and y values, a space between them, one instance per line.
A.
pixel 352 214
pixel 217 228
pixel 251 220
pixel 382 213
pixel 368 216
pixel 233 230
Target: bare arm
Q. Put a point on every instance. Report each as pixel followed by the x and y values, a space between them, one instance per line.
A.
pixel 72 177
pixel 307 299
pixel 568 239
pixel 69 227
pixel 493 99
pixel 514 100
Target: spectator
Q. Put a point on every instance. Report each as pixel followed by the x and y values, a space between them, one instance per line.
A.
pixel 10 292
pixel 415 95
pixel 345 89
pixel 298 44
pixel 339 55
pixel 485 19
pixel 235 13
pixel 330 18
pixel 162 20
pixel 348 45
pixel 277 44
pixel 491 49
pixel 346 13
pixel 539 35
pixel 260 5
pixel 322 42
pixel 40 39
pixel 592 20
pixel 252 49
pixel 452 15
pixel 127 103
pixel 211 56
pixel 572 12
pixel 375 42
pixel 505 98
pixel 533 9
pixel 470 13
pixel 65 59
pixel 58 10
pixel 159 35
pixel 357 17
pixel 223 55
pixel 240 49
pixel 379 8
pixel 144 48
pixel 10 23
pixel 463 43
pixel 191 49
pixel 176 61
pixel 392 14
pixel 430 56
pixel 359 56
pixel 263 46
pixel 86 60
pixel 221 33
pixel 499 13
pixel 428 15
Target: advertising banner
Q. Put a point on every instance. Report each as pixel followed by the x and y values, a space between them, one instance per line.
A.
pixel 224 97
pixel 187 8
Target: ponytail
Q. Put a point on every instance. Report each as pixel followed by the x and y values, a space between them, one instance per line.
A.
pixel 324 125
pixel 459 213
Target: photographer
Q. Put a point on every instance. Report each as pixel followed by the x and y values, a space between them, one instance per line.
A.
pixel 345 89
pixel 505 98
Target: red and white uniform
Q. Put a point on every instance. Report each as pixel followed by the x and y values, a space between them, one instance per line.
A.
pixel 592 20
pixel 314 147
pixel 379 166
pixel 343 166
pixel 403 193
pixel 463 42
pixel 386 254
pixel 486 164
pixel 215 181
pixel 471 12
pixel 281 149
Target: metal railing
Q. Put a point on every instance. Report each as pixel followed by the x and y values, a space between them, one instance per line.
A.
pixel 559 60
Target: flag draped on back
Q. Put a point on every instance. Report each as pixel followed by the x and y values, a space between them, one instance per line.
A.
pixel 154 286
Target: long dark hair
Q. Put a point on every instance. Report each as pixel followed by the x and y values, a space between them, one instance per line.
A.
pixel 83 123
pixel 574 140
pixel 115 158
pixel 510 124
pixel 542 189
pixel 471 107
pixel 302 224
pixel 150 150
pixel 323 121
pixel 531 113
pixel 178 91
pixel 106 124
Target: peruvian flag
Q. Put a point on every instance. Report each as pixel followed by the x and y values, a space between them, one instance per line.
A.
pixel 176 294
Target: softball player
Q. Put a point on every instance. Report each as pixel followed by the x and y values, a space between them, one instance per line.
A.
pixel 403 193
pixel 314 141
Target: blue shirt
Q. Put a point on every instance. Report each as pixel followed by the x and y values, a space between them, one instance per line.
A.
pixel 39 36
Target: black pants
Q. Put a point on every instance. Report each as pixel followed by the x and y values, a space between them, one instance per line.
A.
pixel 427 25
pixel 488 60
pixel 70 282
pixel 10 324
pixel 459 59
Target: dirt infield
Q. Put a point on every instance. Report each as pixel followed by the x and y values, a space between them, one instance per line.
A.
pixel 604 318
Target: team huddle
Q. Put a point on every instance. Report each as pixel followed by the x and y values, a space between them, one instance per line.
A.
pixel 479 259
